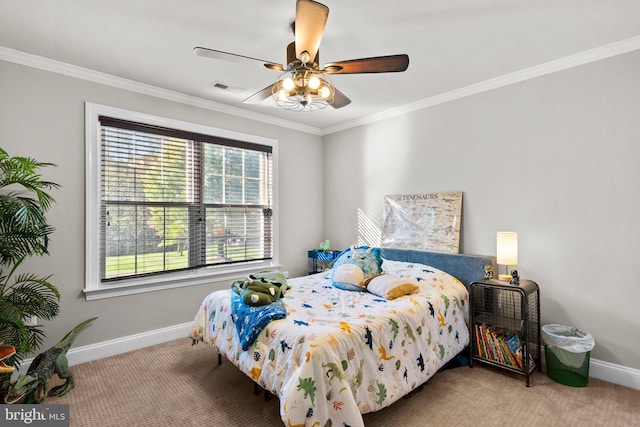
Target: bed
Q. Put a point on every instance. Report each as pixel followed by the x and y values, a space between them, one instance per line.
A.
pixel 339 354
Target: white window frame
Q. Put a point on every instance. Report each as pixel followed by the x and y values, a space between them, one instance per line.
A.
pixel 93 288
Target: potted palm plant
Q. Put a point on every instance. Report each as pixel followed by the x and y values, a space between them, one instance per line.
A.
pixel 24 232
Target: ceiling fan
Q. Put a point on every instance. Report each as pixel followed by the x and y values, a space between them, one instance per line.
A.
pixel 303 85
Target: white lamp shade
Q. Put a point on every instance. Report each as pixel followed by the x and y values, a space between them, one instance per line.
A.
pixel 507 248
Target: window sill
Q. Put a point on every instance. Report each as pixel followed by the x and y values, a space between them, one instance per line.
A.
pixel 177 280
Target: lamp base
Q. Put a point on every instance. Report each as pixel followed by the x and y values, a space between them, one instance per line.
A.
pixel 504 277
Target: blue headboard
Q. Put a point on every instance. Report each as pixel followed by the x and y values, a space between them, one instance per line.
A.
pixel 466 268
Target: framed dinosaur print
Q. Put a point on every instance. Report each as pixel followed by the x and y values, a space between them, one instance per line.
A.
pixel 424 221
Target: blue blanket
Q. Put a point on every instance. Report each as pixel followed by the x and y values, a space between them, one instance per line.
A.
pixel 251 320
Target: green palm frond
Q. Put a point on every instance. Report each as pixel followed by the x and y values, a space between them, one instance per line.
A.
pixel 24 211
pixel 24 232
pixel 24 200
pixel 30 280
pixel 14 331
pixel 16 243
pixel 20 297
pixel 32 301
pixel 29 294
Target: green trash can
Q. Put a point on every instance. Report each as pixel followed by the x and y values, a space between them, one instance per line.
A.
pixel 567 353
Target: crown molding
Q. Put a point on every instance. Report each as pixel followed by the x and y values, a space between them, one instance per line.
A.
pixel 593 55
pixel 54 66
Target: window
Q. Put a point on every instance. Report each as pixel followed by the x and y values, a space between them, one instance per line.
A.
pixel 176 203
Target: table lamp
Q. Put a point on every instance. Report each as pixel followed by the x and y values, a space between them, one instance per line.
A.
pixel 506 252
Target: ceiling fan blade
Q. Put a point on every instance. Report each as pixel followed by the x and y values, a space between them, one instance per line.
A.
pixel 378 64
pixel 233 57
pixel 311 18
pixel 259 96
pixel 339 99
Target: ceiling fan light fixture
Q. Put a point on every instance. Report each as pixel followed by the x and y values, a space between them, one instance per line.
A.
pixel 288 84
pixel 325 92
pixel 314 82
pixel 303 90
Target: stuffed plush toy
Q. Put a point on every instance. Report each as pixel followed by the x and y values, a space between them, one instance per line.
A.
pixel 355 267
pixel 261 288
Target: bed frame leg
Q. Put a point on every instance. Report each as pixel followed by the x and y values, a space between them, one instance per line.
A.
pixel 219 359
pixel 256 391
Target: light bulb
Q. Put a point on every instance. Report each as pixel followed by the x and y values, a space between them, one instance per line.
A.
pixel 324 92
pixel 314 82
pixel 282 95
pixel 288 84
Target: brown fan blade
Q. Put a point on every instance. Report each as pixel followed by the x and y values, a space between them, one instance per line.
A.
pixel 339 99
pixel 378 64
pixel 233 57
pixel 311 18
pixel 260 95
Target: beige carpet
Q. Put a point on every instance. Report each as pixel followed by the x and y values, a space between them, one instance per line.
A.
pixel 176 384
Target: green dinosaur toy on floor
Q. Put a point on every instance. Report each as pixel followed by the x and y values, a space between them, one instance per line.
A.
pixel 34 385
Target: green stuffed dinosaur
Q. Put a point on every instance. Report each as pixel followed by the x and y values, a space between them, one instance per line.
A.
pixel 261 288
pixel 34 385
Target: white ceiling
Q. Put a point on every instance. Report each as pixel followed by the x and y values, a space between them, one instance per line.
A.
pixel 451 44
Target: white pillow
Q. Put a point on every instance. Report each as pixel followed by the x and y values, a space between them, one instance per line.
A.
pixel 391 287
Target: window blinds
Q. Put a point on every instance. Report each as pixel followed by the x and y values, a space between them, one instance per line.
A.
pixel 174 200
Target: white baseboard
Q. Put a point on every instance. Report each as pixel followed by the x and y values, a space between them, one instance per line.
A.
pixel 88 353
pixel 103 349
pixel 617 374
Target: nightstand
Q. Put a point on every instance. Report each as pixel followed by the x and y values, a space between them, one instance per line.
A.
pixel 321 260
pixel 505 325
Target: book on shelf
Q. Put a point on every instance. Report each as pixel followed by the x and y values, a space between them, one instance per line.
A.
pixel 479 342
pixel 496 344
pixel 513 342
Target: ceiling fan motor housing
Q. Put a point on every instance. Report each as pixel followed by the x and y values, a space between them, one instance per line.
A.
pixel 295 62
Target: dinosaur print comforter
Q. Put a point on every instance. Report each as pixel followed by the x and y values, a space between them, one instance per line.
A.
pixel 339 354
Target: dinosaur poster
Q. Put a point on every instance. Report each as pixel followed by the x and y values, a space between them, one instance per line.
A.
pixel 426 221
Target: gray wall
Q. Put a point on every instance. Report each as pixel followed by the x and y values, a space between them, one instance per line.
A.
pixel 555 158
pixel 42 116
